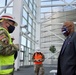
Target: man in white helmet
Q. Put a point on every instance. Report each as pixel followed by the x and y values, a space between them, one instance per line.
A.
pixel 38 59
pixel 8 22
pixel 7 48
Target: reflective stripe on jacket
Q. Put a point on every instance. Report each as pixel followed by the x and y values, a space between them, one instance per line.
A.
pixel 6 62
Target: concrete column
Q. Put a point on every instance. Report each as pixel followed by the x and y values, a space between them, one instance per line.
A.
pixel 37 24
pixel 17 12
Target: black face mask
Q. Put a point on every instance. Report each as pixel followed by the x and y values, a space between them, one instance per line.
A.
pixel 11 29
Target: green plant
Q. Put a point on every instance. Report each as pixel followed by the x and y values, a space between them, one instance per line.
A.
pixel 52 49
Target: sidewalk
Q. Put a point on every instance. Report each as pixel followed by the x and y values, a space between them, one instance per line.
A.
pixel 30 71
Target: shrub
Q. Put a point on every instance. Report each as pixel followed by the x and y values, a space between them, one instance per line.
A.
pixel 52 49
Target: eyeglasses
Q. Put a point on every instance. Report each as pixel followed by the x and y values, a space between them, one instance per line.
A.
pixel 9 23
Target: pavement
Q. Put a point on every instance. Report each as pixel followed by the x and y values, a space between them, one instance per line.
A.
pixel 30 70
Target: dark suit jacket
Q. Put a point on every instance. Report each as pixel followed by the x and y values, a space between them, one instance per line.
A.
pixel 67 57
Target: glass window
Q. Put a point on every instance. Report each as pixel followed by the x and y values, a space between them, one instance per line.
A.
pixel 21 55
pixel 25 14
pixel 47 2
pixel 58 2
pixel 1 9
pixel 2 3
pixel 9 10
pixel 29 28
pixel 56 9
pixel 31 1
pixel 9 1
pixel 26 62
pixel 24 30
pixel 27 51
pixel 28 44
pixel 22 48
pixel 27 1
pixel 34 13
pixel 30 20
pixel 34 1
pixel 29 35
pixel 30 5
pixel 23 40
pixel 68 8
pixel 44 9
pixel 24 22
pixel 27 20
pixel 34 6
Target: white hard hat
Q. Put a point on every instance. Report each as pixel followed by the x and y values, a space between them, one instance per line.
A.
pixel 9 17
pixel 37 49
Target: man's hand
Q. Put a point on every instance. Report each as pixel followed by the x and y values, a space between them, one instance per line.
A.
pixel 40 60
pixel 36 60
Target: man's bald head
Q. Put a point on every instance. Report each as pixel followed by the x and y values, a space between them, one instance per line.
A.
pixel 68 28
pixel 69 23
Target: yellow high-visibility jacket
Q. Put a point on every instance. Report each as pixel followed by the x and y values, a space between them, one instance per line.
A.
pixel 6 62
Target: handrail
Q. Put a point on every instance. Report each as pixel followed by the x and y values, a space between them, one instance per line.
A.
pixel 53 54
pixel 6 6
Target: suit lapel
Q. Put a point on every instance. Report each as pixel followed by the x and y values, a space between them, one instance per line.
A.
pixel 66 43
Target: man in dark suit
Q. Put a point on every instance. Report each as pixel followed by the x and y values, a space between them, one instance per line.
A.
pixel 67 57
